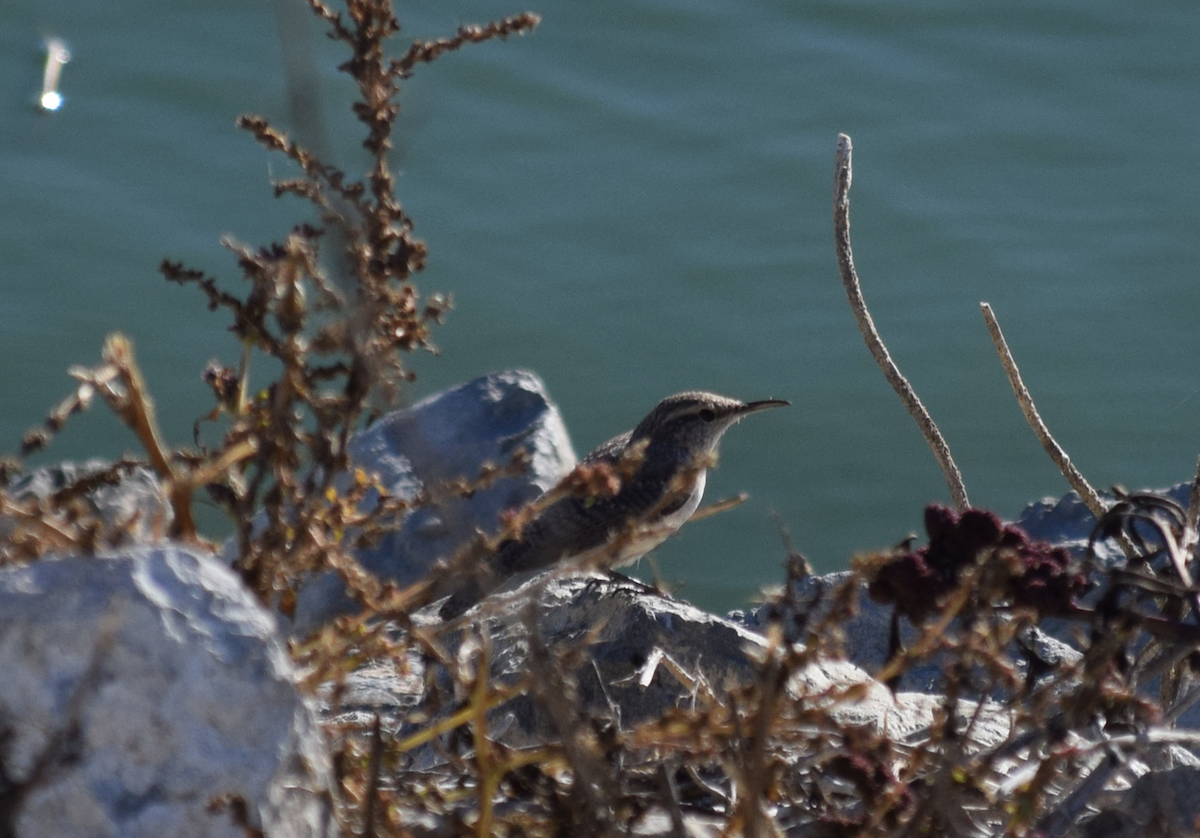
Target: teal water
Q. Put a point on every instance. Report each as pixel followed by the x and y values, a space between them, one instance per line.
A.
pixel 635 200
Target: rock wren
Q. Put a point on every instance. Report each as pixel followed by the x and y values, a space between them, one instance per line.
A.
pixel 663 464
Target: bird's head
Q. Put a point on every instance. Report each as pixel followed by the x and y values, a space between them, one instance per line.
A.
pixel 695 420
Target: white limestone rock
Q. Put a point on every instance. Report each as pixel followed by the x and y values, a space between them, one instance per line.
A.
pixel 137 688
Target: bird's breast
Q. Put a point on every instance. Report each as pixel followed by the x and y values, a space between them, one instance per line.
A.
pixel 659 530
pixel 677 518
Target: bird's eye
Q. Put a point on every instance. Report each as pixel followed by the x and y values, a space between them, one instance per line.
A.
pixel 707 415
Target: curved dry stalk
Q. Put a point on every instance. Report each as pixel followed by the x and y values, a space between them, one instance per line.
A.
pixel 1192 521
pixel 841 231
pixel 1078 482
pixel 121 384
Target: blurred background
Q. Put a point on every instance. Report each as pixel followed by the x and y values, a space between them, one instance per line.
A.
pixel 635 200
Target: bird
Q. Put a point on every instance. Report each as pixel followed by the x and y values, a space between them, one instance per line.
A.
pixel 660 470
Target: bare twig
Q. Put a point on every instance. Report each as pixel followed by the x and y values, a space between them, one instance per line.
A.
pixel 371 794
pixel 717 507
pixel 671 795
pixel 1192 521
pixel 841 230
pixel 1066 812
pixel 119 382
pixel 422 52
pixel 1078 482
pixel 598 786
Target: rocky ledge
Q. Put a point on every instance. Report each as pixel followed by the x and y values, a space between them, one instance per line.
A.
pixel 148 693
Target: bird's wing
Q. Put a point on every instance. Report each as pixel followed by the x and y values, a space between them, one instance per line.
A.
pixel 569 526
pixel 572 524
pixel 609 451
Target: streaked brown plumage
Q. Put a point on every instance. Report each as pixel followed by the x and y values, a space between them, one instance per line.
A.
pixel 676 442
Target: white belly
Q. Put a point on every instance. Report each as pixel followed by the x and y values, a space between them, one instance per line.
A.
pixel 681 515
pixel 658 532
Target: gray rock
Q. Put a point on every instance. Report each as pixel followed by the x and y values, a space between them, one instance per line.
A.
pixel 1067 522
pixel 136 502
pixel 658 822
pixel 1064 522
pixel 865 635
pixel 631 627
pixel 1161 804
pixel 140 686
pixel 449 436
pixel 645 655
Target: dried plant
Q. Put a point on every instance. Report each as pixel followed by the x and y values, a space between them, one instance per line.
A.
pixel 843 176
pixel 333 338
pixel 1015 744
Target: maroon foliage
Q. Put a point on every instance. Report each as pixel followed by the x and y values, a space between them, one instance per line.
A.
pixel 1020 572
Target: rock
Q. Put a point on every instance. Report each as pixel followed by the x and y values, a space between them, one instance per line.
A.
pixel 1067 522
pixel 864 635
pixel 640 656
pixel 448 436
pixel 1064 521
pixel 1161 804
pixel 140 686
pixel 658 822
pixel 630 630
pixel 646 653
pixel 136 502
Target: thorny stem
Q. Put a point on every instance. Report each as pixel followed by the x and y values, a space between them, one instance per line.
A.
pixel 841 231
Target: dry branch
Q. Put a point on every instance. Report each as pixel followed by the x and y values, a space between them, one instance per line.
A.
pixel 1192 519
pixel 841 230
pixel 1078 482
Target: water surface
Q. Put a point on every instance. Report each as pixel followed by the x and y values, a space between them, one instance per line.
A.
pixel 635 200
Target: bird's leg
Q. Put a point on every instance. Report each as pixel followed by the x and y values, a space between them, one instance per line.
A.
pixel 619 578
pixel 613 577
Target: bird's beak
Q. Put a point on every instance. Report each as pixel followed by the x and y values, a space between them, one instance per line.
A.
pixel 764 404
